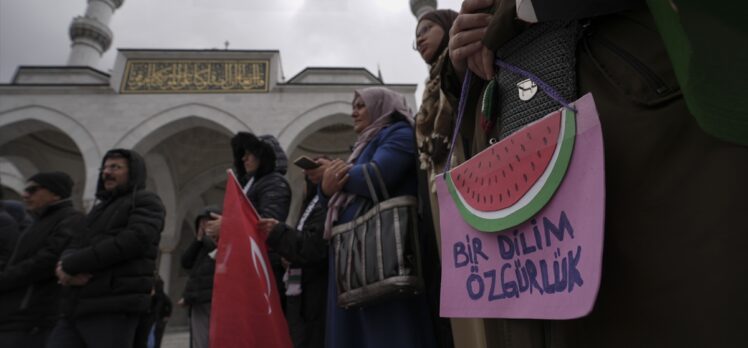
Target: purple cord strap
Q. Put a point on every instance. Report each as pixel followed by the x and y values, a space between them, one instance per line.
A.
pixel 460 112
pixel 550 91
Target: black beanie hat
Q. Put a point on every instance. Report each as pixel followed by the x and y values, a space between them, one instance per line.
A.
pixel 58 183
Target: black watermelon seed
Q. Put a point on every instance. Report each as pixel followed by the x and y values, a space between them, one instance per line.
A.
pixel 491 198
pixel 516 188
pixel 522 146
pixel 539 155
pixel 506 149
pixel 529 136
pixel 480 163
pixel 549 129
pixel 525 176
pixel 512 140
pixel 501 197
pixel 471 175
pixel 503 173
pixel 508 193
pixel 473 194
pixel 545 141
pixel 532 164
pixel 517 158
pixel 458 177
pixel 510 167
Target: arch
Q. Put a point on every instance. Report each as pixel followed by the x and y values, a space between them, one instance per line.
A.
pixel 143 137
pixel 312 120
pixel 14 171
pixel 17 122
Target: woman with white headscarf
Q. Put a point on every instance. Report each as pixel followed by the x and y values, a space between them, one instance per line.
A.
pixel 384 124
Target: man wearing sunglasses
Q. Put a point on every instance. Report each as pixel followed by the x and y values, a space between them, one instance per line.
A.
pixel 29 292
pixel 108 269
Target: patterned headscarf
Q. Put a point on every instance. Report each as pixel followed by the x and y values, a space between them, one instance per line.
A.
pixel 383 106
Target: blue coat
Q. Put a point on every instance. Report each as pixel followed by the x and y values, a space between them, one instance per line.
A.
pixel 398 323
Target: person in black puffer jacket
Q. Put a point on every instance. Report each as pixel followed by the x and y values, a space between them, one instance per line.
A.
pixel 29 293
pixel 260 165
pixel 109 269
pixel 199 258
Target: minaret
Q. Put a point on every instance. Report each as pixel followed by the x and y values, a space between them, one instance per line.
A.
pixel 90 33
pixel 421 7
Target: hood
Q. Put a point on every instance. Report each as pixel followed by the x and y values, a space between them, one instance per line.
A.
pixel 136 174
pixel 266 148
pixel 281 161
pixel 206 213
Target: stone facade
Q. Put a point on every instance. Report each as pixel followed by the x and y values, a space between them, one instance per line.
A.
pixel 188 106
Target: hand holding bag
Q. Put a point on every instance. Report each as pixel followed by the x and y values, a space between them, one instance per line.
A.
pixel 377 255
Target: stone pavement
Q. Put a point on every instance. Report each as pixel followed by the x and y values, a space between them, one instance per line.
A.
pixel 176 338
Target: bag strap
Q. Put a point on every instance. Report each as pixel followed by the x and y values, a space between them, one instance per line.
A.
pixel 380 180
pixel 370 185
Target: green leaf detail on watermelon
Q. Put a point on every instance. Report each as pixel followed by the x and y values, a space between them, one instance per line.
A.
pixel 504 204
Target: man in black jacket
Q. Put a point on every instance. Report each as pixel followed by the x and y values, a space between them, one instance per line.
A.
pixel 29 293
pixel 118 249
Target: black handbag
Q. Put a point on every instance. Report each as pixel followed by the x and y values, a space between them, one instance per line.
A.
pixel 548 50
pixel 377 255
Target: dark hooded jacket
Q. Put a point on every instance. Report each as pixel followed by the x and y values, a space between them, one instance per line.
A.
pixel 9 232
pixel 196 258
pixel 270 193
pixel 29 293
pixel 118 247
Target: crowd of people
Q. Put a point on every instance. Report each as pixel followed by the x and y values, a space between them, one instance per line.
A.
pixel 673 226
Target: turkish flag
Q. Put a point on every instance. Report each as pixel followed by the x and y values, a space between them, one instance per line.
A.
pixel 246 310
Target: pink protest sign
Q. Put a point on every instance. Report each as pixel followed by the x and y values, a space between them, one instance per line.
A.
pixel 539 256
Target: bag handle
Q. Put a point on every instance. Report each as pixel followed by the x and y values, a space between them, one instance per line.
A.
pixel 380 180
pixel 370 183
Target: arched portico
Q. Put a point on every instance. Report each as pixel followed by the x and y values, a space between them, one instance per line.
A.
pixel 18 122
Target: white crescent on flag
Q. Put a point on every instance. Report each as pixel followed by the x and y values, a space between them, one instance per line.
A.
pixel 258 259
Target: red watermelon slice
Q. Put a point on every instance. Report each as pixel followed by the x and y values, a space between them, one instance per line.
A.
pixel 510 181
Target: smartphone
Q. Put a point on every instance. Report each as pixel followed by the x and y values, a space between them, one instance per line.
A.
pixel 304 162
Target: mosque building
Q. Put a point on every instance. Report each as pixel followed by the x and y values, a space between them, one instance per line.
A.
pixel 177 108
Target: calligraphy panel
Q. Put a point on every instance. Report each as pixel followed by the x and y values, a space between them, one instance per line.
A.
pixel 195 76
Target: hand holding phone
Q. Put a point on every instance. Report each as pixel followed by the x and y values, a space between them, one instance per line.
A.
pixel 305 162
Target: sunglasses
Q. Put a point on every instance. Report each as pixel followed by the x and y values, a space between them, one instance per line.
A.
pixel 32 189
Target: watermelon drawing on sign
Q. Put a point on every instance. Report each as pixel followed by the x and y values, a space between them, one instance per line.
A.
pixel 510 181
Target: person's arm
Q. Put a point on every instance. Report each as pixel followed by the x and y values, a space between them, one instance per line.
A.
pixel 41 265
pixel 143 229
pixel 274 195
pixel 306 245
pixel 395 156
pixel 189 256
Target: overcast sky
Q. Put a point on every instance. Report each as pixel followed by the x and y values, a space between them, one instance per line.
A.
pixel 340 33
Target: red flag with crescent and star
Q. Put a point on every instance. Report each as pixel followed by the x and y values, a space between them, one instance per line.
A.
pixel 246 309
